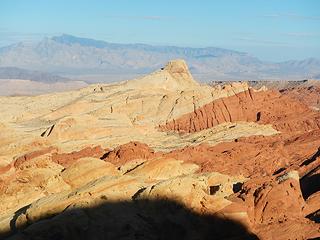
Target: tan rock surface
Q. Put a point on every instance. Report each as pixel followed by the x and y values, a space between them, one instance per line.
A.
pixel 204 193
pixel 190 190
pixel 85 170
pixel 162 168
pixel 25 186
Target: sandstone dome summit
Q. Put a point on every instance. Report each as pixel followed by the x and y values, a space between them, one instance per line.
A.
pixel 174 76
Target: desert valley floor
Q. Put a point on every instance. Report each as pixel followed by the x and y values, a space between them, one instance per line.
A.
pixel 162 157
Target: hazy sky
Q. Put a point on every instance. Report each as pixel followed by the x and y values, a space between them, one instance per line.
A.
pixel 270 29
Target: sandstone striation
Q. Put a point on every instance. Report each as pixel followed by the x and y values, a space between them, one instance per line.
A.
pixel 266 107
pixel 174 76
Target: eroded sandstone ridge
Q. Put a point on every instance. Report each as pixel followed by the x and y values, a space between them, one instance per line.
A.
pixel 161 157
pixel 266 107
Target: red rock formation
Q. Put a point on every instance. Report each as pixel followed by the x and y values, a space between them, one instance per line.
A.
pixel 253 156
pixel 250 156
pixel 276 208
pixel 275 199
pixel 308 95
pixel 266 107
pixel 275 204
pixel 130 151
pixel 28 156
pixel 66 159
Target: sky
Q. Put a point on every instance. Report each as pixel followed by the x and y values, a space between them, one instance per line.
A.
pixel 273 30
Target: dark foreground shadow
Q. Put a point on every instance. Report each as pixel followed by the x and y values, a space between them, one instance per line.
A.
pixel 138 219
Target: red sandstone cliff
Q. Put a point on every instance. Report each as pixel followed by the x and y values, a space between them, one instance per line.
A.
pixel 266 107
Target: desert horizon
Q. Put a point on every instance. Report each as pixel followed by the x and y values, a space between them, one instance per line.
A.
pixel 64 68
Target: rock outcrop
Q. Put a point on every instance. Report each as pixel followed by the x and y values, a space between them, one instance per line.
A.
pixel 309 95
pixel 66 159
pixel 128 152
pixel 266 107
pixel 174 76
pixel 276 208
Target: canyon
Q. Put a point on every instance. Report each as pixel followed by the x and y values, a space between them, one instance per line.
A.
pixel 162 156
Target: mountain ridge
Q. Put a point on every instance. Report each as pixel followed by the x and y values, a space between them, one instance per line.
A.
pixel 70 39
pixel 70 55
pixel 20 73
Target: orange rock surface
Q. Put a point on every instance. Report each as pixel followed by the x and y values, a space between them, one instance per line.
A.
pixel 265 107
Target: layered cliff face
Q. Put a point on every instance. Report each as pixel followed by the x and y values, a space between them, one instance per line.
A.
pixel 265 107
pixel 160 156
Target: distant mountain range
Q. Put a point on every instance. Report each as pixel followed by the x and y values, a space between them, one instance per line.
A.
pixel 19 73
pixel 69 55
